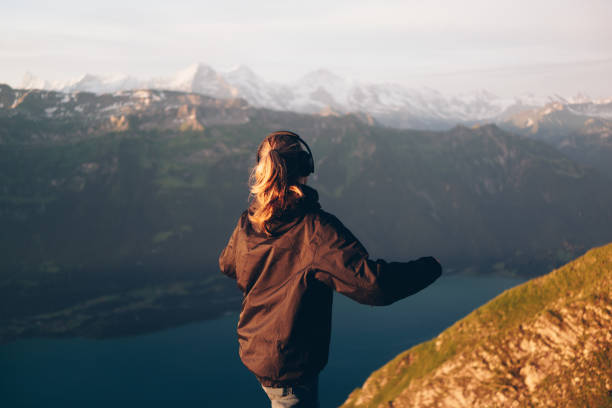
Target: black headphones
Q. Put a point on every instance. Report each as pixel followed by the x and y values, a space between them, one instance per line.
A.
pixel 304 158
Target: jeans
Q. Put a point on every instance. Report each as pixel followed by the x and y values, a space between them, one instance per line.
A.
pixel 302 396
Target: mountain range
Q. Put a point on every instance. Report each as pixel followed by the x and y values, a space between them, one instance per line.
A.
pixel 117 195
pixel 323 92
pixel 115 206
pixel 580 131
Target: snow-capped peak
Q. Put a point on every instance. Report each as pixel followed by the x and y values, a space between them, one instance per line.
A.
pixel 198 78
pixel 322 90
pixel 30 81
pixel 321 77
pixel 241 72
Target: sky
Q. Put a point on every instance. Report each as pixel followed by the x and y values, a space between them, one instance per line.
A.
pixel 510 48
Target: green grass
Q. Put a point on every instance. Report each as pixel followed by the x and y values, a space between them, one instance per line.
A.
pixel 162 236
pixel 586 277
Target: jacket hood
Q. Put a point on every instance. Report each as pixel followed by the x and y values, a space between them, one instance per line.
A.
pixel 294 212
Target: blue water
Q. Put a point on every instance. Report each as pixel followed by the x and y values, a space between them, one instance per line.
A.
pixel 198 364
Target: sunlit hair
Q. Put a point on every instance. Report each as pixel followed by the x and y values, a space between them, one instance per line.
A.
pixel 273 183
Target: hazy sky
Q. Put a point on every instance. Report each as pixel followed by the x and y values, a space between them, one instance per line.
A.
pixel 508 47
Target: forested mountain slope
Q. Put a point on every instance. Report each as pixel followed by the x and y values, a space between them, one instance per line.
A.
pixel 114 207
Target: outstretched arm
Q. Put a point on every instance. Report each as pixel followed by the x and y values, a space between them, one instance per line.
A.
pixel 343 263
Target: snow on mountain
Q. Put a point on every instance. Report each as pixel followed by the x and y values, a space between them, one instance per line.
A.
pixel 102 84
pixel 599 108
pixel 87 83
pixel 197 78
pixel 256 90
pixel 324 92
pixel 320 89
pixel 30 81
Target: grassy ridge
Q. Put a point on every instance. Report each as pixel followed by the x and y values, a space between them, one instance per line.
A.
pixel 586 278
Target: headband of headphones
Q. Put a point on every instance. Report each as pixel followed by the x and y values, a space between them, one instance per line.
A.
pixel 304 157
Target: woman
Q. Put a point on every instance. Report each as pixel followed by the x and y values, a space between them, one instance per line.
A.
pixel 287 255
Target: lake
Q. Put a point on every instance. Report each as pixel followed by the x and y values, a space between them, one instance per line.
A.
pixel 197 365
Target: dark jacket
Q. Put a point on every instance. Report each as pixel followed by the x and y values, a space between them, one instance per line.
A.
pixel 287 280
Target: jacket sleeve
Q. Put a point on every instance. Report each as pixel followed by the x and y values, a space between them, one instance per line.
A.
pixel 341 262
pixel 227 258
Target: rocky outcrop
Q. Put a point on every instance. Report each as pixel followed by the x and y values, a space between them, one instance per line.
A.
pixel 547 343
pixel 92 114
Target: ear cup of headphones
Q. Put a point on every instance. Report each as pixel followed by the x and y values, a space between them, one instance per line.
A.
pixel 306 165
pixel 308 157
pixel 300 163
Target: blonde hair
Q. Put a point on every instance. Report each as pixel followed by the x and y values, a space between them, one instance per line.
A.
pixel 273 180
